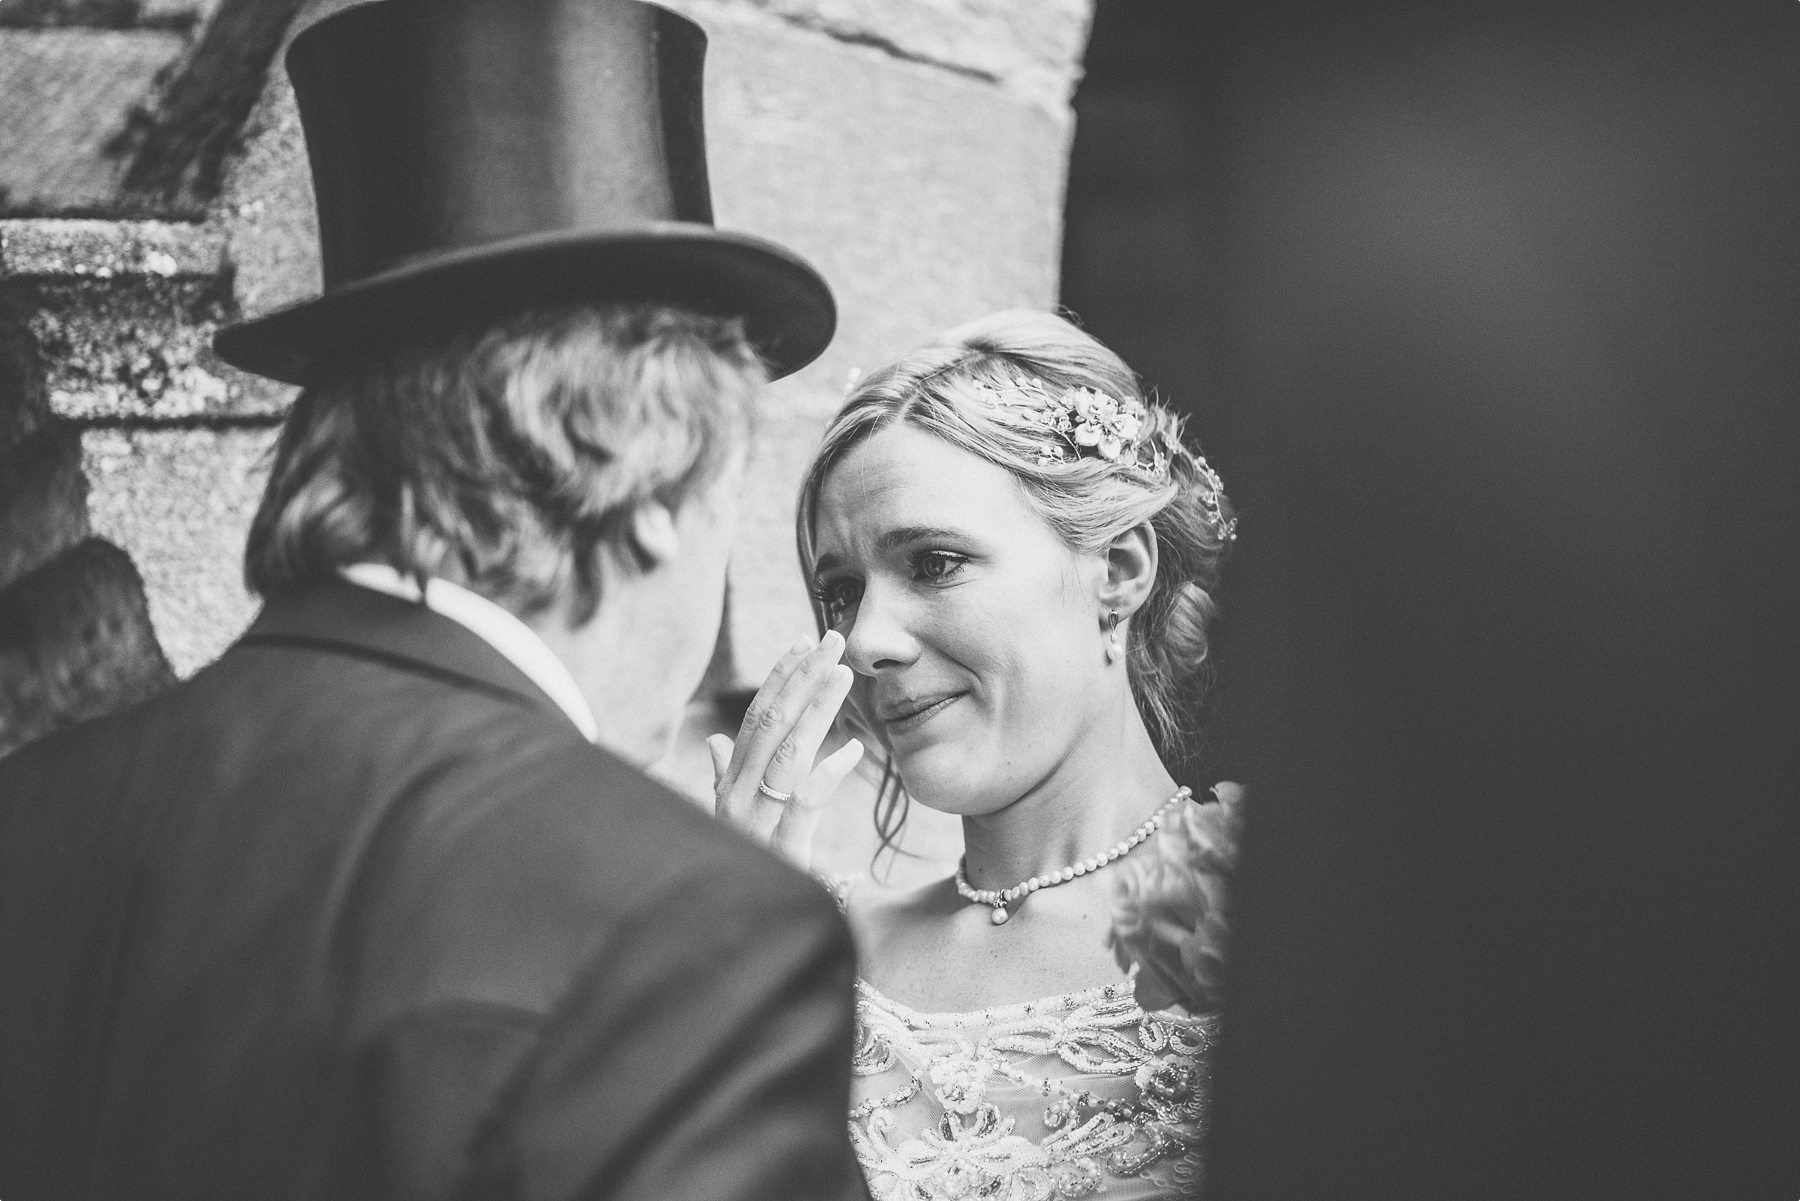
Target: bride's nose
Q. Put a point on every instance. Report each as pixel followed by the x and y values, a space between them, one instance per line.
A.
pixel 879 638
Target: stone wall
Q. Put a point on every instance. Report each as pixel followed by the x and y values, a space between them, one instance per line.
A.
pixel 915 151
pixel 105 314
pixel 75 634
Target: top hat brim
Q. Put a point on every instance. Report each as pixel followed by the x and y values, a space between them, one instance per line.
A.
pixel 787 308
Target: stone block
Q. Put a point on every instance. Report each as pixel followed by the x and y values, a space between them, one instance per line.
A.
pixel 122 315
pixel 134 348
pixel 75 643
pixel 71 248
pixel 174 14
pixel 1032 49
pixel 104 14
pixel 49 14
pixel 43 499
pixel 180 501
pixel 265 204
pixel 926 197
pixel 67 93
pixel 265 207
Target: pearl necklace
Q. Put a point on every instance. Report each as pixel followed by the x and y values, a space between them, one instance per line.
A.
pixel 1000 898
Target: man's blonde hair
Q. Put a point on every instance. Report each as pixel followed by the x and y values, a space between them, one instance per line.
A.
pixel 505 458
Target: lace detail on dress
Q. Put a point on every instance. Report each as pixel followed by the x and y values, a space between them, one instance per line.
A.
pixel 1049 1099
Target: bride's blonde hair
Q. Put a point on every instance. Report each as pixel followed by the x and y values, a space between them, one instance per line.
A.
pixel 946 388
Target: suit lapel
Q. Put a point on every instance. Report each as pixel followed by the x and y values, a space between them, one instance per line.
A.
pixel 338 616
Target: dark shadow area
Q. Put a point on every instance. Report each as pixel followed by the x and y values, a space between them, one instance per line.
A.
pixel 1141 252
pixel 1490 310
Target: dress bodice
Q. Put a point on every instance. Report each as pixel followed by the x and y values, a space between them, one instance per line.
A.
pixel 1057 1098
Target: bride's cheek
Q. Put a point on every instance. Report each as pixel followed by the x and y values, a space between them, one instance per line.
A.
pixel 857 707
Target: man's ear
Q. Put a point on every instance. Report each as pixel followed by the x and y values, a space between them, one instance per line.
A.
pixel 1130 570
pixel 651 535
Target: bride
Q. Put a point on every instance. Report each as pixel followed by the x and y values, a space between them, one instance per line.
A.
pixel 1014 557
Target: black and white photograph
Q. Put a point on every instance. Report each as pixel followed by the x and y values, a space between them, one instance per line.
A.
pixel 899 600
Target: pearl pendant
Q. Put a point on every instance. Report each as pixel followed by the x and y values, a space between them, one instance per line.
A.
pixel 999 899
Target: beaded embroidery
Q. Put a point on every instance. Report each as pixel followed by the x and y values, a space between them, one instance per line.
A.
pixel 1046 1101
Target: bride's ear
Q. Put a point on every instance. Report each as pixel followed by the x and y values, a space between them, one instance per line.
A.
pixel 1130 570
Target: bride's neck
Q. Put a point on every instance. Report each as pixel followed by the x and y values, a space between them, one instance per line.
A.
pixel 1089 803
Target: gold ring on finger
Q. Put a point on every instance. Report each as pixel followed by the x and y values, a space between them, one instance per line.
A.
pixel 780 798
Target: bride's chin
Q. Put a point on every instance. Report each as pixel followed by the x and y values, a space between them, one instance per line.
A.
pixel 947 786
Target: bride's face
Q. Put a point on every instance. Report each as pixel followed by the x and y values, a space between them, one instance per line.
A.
pixel 973 630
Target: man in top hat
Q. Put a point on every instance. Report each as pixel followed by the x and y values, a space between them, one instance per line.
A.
pixel 380 903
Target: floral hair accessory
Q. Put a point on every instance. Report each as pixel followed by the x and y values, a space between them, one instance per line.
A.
pixel 1094 423
pixel 1088 421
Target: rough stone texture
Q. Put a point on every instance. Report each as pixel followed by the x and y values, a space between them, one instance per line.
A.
pixel 54 248
pixel 177 144
pixel 175 14
pixel 104 14
pixel 180 501
pixel 67 93
pixel 1030 47
pixel 122 314
pixel 110 323
pixel 75 642
pixel 132 349
pixel 266 208
pixel 43 499
pixel 46 14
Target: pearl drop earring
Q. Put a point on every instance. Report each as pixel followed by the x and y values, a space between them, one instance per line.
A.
pixel 1113 649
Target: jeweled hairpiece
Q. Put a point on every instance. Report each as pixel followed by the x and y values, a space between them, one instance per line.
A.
pixel 1211 499
pixel 1090 422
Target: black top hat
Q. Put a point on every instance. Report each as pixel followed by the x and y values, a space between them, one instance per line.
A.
pixel 475 157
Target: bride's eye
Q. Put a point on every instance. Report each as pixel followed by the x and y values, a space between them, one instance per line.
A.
pixel 836 598
pixel 936 566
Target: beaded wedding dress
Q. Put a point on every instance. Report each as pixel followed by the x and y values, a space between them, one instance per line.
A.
pixel 1069 1096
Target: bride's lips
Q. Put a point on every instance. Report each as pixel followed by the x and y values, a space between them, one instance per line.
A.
pixel 903 716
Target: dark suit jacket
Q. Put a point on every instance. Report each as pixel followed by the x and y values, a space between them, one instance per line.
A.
pixel 356 912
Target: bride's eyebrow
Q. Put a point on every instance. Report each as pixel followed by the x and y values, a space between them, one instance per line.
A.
pixel 889 540
pixel 906 535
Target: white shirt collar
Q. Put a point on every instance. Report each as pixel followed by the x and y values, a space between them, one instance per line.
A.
pixel 493 625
